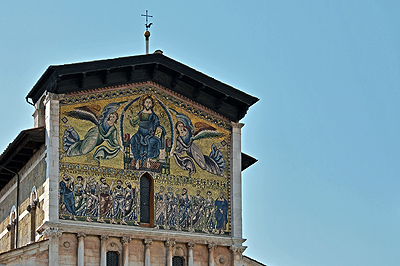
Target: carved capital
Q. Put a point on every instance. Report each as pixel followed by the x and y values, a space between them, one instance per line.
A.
pixel 147 242
pixel 238 250
pixel 80 235
pixel 52 232
pixel 211 246
pixel 125 240
pixel 237 125
pixel 52 96
pixel 104 238
pixel 170 244
pixel 190 245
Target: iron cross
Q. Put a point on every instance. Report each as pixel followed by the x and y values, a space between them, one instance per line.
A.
pixel 147 20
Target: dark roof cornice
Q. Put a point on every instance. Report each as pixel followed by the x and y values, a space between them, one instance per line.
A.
pixel 217 96
pixel 19 152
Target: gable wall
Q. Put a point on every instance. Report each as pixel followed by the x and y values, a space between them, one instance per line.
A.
pixel 174 161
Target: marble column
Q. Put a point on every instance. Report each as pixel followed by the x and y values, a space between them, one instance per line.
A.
pixel 211 248
pixel 236 181
pixel 169 244
pixel 190 247
pixel 103 250
pixel 237 254
pixel 81 248
pixel 125 250
pixel 53 234
pixel 147 243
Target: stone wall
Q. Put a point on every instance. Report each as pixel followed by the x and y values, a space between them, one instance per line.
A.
pixel 31 175
pixel 68 251
pixel 35 254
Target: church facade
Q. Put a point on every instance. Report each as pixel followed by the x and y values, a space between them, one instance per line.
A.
pixel 132 161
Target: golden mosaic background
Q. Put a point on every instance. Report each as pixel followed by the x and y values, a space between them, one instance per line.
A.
pixel 143 132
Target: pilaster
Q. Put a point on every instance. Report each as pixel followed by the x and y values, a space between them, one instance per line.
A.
pixel 125 250
pixel 81 248
pixel 50 206
pixel 53 234
pixel 169 244
pixel 211 247
pixel 237 254
pixel 236 180
pixel 147 243
pixel 103 250
pixel 190 247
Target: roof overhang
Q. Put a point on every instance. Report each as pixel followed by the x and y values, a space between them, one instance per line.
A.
pixel 213 94
pixel 247 161
pixel 19 152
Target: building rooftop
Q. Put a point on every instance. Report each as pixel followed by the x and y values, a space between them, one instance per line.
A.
pixel 215 95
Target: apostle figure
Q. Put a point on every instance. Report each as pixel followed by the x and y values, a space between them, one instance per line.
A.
pixel 209 211
pixel 66 194
pixel 161 208
pixel 80 196
pixel 185 210
pixel 92 199
pixel 172 208
pixel 131 203
pixel 105 199
pixel 198 211
pixel 118 208
pixel 221 213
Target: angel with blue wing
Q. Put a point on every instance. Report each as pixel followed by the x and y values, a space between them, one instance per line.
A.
pixel 213 163
pixel 104 130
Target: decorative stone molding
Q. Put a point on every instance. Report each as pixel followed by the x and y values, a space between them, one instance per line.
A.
pixel 238 250
pixel 52 96
pixel 170 244
pixel 190 245
pixel 125 240
pixel 237 125
pixel 147 242
pixel 211 246
pixel 80 235
pixel 52 232
pixel 104 237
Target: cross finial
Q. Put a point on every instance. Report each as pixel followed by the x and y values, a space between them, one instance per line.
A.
pixel 147 20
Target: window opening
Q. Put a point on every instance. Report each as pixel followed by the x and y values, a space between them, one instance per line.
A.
pixel 112 258
pixel 145 187
pixel 177 261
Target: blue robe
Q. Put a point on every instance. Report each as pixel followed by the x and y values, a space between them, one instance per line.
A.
pixel 185 211
pixel 144 144
pixel 67 197
pixel 221 213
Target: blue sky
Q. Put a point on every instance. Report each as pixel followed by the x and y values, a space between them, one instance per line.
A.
pixel 325 131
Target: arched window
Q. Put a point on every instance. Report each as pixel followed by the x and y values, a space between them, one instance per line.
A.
pixel 146 200
pixel 112 258
pixel 177 261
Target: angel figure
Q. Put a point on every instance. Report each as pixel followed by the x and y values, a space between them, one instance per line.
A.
pixel 105 130
pixel 213 163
